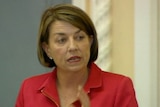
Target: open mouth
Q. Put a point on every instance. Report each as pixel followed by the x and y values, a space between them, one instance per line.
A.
pixel 74 59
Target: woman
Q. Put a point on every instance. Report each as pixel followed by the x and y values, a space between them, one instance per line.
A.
pixel 68 42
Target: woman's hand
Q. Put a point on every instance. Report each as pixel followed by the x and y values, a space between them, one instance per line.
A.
pixel 82 99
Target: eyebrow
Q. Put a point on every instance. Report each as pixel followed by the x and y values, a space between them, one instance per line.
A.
pixel 78 31
pixel 60 33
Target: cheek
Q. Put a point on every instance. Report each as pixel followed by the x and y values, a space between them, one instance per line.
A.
pixel 58 53
pixel 86 45
pixel 86 48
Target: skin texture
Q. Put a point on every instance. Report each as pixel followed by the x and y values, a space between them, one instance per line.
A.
pixel 69 47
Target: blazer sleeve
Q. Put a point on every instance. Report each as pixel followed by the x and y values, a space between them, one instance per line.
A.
pixel 125 96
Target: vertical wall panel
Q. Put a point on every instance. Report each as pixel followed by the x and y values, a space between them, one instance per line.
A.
pixel 158 71
pixel 101 15
pixel 145 62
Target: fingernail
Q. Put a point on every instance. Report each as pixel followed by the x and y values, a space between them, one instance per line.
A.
pixel 79 87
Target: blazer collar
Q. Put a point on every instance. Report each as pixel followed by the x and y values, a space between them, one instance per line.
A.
pixel 94 81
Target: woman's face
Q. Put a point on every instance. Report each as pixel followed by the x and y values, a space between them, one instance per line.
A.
pixel 69 46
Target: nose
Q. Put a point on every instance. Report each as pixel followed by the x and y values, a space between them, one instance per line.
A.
pixel 72 45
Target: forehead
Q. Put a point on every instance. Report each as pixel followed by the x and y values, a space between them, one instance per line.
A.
pixel 62 26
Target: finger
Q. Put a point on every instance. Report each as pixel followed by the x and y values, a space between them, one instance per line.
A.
pixel 83 97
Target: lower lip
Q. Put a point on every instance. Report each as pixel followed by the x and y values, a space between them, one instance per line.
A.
pixel 75 60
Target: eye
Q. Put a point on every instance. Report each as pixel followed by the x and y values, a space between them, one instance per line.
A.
pixel 80 37
pixel 61 40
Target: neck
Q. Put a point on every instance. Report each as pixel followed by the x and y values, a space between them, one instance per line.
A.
pixel 72 80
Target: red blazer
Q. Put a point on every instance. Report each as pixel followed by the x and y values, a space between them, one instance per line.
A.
pixel 104 90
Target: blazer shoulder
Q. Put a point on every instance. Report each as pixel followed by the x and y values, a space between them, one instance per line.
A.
pixel 37 80
pixel 39 77
pixel 113 77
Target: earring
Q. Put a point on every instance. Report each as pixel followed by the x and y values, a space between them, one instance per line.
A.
pixel 50 58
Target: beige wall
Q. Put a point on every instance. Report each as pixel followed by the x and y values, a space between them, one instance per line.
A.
pixel 123 37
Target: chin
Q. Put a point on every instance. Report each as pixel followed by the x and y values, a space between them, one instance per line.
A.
pixel 77 68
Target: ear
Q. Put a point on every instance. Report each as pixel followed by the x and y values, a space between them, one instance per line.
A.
pixel 45 47
pixel 91 39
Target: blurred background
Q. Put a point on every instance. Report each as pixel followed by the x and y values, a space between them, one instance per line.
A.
pixel 128 31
